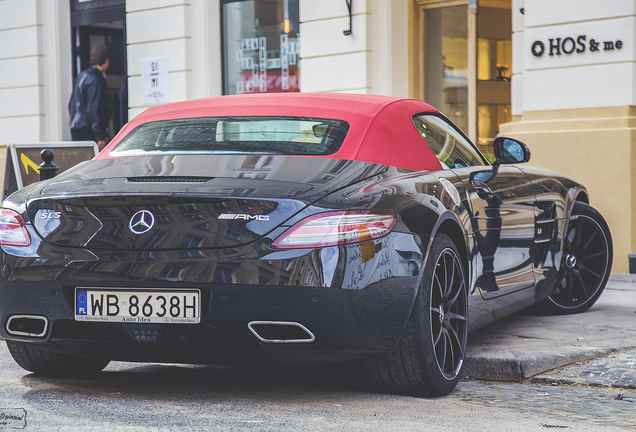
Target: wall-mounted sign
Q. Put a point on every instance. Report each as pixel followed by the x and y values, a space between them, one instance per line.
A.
pixel 570 45
pixel 156 84
pixel 23 160
pixel 580 44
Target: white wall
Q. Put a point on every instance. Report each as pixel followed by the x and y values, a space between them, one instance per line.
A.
pixel 582 79
pixel 35 70
pixel 58 69
pixel 373 59
pixel 518 35
pixel 188 33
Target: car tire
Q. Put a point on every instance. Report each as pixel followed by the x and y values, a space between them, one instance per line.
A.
pixel 429 356
pixel 44 362
pixel 586 263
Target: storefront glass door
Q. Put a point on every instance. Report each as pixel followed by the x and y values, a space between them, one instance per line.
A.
pixel 446 62
pixel 99 22
pixel 465 66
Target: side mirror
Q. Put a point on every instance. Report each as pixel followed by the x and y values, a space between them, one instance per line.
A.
pixel 510 151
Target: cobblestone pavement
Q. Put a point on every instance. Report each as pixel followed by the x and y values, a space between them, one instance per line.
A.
pixel 564 407
pixel 581 394
pixel 338 398
pixel 617 371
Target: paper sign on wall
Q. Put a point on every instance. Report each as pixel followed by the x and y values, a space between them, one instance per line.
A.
pixel 154 75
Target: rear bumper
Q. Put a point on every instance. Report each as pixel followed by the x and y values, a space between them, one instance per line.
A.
pixel 345 324
pixel 354 308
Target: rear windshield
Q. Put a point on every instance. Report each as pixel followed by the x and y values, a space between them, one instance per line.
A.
pixel 236 135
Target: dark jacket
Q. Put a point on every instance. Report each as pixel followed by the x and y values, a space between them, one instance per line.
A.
pixel 89 106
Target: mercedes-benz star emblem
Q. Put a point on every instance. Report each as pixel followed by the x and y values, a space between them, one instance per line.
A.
pixel 141 222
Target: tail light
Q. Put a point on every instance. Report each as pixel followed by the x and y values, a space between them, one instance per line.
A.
pixel 337 228
pixel 13 232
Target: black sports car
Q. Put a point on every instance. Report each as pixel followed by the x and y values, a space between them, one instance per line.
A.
pixel 292 229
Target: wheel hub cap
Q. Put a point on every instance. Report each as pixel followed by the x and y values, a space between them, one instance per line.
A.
pixel 570 261
pixel 441 314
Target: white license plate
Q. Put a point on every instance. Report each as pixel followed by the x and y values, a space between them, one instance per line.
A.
pixel 138 306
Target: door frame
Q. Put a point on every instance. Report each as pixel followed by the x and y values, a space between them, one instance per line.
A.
pixel 416 54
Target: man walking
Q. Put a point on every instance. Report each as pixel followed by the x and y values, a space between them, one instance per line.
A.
pixel 89 107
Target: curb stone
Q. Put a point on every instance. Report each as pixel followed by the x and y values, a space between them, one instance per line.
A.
pixel 522 346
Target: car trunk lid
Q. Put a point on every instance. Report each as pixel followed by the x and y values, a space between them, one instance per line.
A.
pixel 157 203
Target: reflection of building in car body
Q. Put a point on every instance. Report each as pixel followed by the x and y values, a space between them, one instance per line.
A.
pixel 487 240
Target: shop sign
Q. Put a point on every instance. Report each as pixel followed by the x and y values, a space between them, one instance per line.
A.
pixel 570 45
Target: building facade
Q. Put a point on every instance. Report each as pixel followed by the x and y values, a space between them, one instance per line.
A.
pixel 558 75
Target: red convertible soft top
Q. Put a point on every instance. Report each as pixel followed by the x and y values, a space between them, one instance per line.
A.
pixel 381 127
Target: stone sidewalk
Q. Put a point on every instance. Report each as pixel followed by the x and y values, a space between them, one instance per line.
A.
pixel 616 370
pixel 523 346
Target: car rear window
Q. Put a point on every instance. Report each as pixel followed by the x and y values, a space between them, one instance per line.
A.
pixel 236 135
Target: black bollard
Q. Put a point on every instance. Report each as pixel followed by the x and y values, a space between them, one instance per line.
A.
pixel 48 169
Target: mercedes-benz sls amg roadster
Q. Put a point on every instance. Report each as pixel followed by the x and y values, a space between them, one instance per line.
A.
pixel 292 229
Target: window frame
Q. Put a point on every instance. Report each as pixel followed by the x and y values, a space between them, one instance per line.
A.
pixel 455 132
pixel 337 131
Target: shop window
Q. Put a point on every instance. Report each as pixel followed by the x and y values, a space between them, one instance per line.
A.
pixel 260 46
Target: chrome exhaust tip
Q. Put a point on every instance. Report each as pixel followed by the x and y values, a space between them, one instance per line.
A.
pixel 281 332
pixel 27 325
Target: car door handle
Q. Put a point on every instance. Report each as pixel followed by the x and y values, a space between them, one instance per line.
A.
pixel 482 189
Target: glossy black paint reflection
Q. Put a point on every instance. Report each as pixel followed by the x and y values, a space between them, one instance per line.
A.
pixel 356 298
pixel 347 284
pixel 502 214
pixel 191 213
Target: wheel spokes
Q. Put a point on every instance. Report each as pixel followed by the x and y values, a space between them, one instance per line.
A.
pixel 452 334
pixel 437 287
pixel 439 335
pixel 587 269
pixel 570 287
pixel 454 316
pixel 450 363
pixel 457 291
pixel 578 233
pixel 593 255
pixel 440 350
pixel 591 239
pixel 585 252
pixel 448 314
pixel 450 278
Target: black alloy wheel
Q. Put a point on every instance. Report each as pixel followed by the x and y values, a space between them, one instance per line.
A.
pixel 429 356
pixel 586 264
pixel 448 314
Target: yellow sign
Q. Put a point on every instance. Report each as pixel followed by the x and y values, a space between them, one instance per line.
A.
pixel 28 163
pixel 21 166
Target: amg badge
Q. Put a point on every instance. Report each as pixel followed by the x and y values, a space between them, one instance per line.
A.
pixel 244 217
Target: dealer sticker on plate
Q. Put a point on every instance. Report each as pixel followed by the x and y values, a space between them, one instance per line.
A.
pixel 138 306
